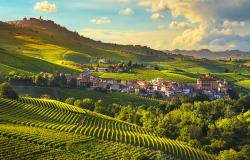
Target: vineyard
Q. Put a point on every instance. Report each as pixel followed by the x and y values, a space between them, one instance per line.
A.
pixel 49 129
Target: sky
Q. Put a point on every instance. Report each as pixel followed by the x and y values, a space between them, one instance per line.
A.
pixel 159 24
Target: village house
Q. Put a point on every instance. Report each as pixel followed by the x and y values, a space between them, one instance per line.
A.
pixel 87 80
pixel 71 76
pixel 103 60
pixel 209 83
pixel 213 88
pixel 85 67
pixel 129 86
pixel 101 69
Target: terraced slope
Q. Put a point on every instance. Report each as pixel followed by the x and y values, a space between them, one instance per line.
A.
pixel 57 116
pixel 25 142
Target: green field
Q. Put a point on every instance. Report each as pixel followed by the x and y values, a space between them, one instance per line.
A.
pixel 244 84
pixel 149 75
pixel 48 129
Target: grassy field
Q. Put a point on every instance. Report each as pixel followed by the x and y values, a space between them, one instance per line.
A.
pixel 13 61
pixel 149 75
pixel 108 98
pixel 244 84
pixel 201 66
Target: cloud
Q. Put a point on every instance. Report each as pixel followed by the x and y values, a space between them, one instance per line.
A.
pixel 222 18
pixel 45 6
pixel 145 3
pixel 189 39
pixel 157 16
pixel 230 24
pixel 180 25
pixel 219 42
pixel 124 1
pixel 126 11
pixel 102 20
pixel 223 31
pixel 158 39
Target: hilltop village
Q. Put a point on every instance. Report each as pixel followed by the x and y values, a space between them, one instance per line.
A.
pixel 157 88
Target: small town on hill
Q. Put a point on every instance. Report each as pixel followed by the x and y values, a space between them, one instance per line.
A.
pixel 157 88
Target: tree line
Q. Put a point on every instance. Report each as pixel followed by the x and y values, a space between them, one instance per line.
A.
pixel 41 79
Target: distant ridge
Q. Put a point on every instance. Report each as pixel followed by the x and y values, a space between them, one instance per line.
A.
pixel 206 53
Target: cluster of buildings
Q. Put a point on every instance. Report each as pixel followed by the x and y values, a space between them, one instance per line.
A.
pixel 212 87
pixel 206 84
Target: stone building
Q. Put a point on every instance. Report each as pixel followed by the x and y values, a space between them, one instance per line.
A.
pixel 209 83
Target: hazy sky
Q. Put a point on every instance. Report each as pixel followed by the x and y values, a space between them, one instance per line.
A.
pixel 160 24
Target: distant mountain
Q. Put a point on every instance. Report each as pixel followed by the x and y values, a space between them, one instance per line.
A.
pixel 205 53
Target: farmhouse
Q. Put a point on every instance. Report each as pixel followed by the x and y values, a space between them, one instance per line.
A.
pixel 87 81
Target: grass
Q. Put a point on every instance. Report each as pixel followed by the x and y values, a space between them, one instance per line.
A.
pixel 201 66
pixel 244 83
pixel 4 69
pixel 29 64
pixel 149 75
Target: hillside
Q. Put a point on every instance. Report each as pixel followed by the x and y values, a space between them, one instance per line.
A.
pixel 49 41
pixel 51 129
pixel 205 53
pixel 37 45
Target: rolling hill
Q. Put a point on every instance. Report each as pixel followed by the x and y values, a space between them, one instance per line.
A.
pixel 45 129
pixel 36 45
pixel 213 55
pixel 49 41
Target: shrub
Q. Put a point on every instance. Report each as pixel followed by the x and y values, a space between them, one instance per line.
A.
pixel 6 91
pixel 78 103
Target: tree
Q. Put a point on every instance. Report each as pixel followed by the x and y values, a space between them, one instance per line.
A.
pixel 244 102
pixel 63 80
pixel 230 155
pixel 129 63
pixel 233 94
pixel 88 103
pixel 70 101
pixel 73 83
pixel 40 80
pixel 100 107
pixel 55 80
pixel 6 91
pixel 78 103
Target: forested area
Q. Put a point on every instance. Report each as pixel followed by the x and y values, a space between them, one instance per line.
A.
pixel 219 127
